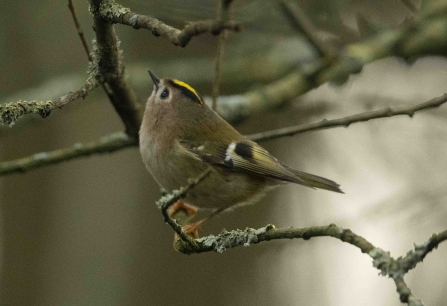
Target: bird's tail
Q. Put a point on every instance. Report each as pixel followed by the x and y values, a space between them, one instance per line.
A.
pixel 315 181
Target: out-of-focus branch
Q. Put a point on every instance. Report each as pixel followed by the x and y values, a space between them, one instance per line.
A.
pixel 425 36
pixel 106 144
pixel 11 112
pixel 111 68
pixel 409 5
pixel 347 121
pixel 304 25
pixel 113 12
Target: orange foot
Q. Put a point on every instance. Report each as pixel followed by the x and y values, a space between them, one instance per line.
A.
pixel 182 207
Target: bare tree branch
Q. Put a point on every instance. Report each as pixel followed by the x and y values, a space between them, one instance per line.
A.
pixel 111 11
pixel 347 121
pixel 11 112
pixel 107 144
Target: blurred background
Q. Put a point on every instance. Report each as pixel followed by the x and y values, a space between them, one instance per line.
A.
pixel 87 232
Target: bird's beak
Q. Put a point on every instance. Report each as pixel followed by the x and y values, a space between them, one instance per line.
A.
pixel 154 79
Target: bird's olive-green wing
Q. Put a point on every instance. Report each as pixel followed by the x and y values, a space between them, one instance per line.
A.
pixel 244 156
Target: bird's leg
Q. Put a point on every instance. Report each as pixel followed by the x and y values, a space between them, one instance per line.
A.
pixel 193 229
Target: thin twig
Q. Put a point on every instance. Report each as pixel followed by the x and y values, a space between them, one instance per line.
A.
pixel 11 112
pixel 223 15
pixel 107 144
pixel 168 200
pixel 218 68
pixel 79 30
pixel 303 24
pixel 113 12
pixel 346 121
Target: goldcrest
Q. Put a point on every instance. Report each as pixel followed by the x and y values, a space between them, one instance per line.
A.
pixel 180 137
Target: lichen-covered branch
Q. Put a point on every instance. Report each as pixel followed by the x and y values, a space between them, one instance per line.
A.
pixel 231 239
pixel 347 121
pixel 11 112
pixel 107 144
pixel 111 68
pixel 113 12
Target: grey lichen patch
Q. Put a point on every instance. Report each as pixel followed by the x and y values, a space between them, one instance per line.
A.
pixel 94 75
pixel 115 137
pixel 11 112
pixel 381 260
pixel 120 53
pixel 230 239
pixel 110 9
pixel 175 194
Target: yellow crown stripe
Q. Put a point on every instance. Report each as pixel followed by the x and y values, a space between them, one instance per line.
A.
pixel 183 84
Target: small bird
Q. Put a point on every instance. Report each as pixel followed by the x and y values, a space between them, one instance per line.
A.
pixel 180 137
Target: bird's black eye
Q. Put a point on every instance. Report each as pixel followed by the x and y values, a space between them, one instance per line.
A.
pixel 164 94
